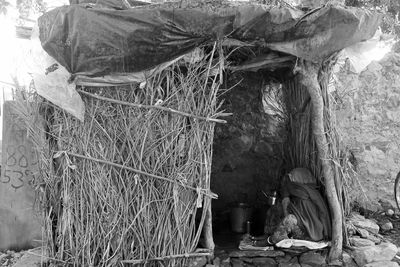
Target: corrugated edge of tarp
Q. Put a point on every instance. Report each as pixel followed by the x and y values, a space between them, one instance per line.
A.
pixel 96 42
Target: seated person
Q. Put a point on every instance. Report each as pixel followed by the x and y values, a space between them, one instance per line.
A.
pixel 306 215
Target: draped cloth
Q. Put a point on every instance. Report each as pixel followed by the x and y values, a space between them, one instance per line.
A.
pixel 307 204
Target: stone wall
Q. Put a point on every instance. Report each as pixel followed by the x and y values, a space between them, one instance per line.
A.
pixel 369 121
pixel 247 150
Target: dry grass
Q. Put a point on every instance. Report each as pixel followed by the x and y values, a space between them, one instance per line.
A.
pixel 126 185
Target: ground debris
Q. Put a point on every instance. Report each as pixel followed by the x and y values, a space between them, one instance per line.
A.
pixel 9 258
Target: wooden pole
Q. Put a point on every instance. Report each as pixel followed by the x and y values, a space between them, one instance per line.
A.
pixel 308 74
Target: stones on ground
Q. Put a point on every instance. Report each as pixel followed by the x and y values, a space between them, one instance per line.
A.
pixel 374 239
pixel 293 262
pixel 386 204
pixel 284 259
pixel 362 232
pixel 217 261
pixel 236 262
pixel 254 262
pixel 312 259
pixel 382 264
pixel 387 226
pixel 360 221
pixel 379 253
pixel 390 212
pixel 226 262
pixel 360 242
pixel 33 257
pixel 198 262
pixel 252 254
pixel 9 258
pixel 348 260
pixel 264 262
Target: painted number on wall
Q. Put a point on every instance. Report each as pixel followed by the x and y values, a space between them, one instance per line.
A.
pixel 20 159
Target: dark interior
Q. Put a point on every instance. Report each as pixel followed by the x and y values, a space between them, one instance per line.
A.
pixel 248 159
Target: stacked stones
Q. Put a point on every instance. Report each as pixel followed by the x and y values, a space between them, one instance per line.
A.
pixel 369 249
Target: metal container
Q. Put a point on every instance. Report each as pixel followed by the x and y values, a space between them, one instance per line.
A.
pixel 271 199
pixel 240 215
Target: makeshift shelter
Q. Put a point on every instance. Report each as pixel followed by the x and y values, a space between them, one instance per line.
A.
pixel 125 183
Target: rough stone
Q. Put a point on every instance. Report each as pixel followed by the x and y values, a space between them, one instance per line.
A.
pixel 264 262
pixel 390 212
pixel 288 264
pixel 239 263
pixel 382 264
pixel 32 258
pixel 387 204
pixel 370 105
pixel 348 260
pixel 226 262
pixel 293 262
pixel 360 242
pixel 374 239
pixel 198 262
pixel 284 259
pixel 313 259
pixel 382 252
pixel 387 226
pixel 363 233
pixel 361 222
pixel 217 261
pixel 252 254
pixel 263 148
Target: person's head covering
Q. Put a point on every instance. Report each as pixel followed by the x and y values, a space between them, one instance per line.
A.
pixel 301 175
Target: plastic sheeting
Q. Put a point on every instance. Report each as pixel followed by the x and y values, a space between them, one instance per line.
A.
pixel 52 83
pixel 274 107
pixel 96 42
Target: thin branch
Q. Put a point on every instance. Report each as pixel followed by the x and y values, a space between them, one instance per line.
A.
pixel 152 106
pixel 205 192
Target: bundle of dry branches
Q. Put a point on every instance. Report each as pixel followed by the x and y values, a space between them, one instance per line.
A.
pixel 125 186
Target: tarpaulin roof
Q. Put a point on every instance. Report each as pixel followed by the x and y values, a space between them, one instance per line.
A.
pixel 95 42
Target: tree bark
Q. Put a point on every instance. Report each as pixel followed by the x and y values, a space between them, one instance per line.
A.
pixel 308 74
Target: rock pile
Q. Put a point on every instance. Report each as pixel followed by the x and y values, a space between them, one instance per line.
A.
pixel 270 259
pixel 369 248
pixel 28 258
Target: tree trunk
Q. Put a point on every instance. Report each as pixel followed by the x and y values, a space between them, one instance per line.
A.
pixel 308 74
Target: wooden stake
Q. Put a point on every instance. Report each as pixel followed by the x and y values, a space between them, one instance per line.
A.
pixel 205 192
pixel 308 73
pixel 207 228
pixel 159 107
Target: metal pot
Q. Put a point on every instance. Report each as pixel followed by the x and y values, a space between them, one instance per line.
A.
pixel 240 214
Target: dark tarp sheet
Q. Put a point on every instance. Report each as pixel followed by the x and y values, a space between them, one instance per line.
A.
pixel 96 42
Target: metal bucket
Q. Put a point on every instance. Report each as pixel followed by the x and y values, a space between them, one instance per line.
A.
pixel 240 214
